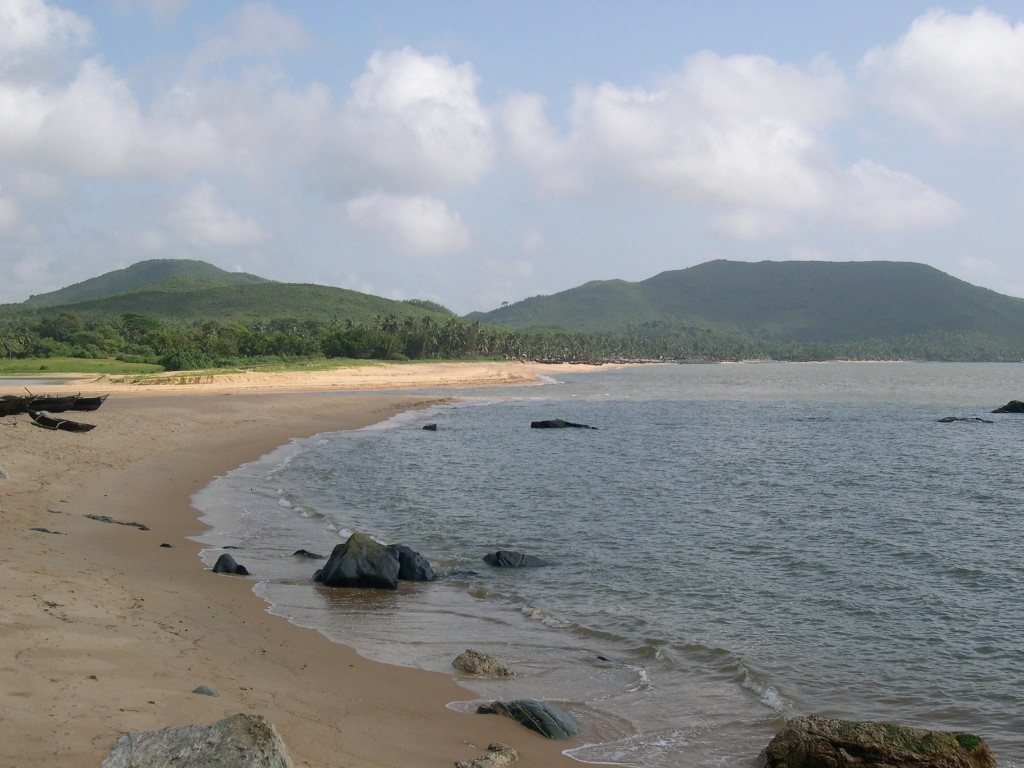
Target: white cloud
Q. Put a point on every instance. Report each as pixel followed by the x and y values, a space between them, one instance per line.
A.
pixel 741 133
pixel 417 226
pixel 257 29
pixel 34 37
pixel 203 218
pixel 414 123
pixel 9 214
pixel 958 74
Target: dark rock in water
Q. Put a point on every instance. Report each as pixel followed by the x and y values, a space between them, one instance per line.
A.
pixel 1014 406
pixel 822 742
pixel 109 519
pixel 558 424
pixel 205 690
pixel 231 546
pixel 462 574
pixel 498 756
pixel 226 564
pixel 412 566
pixel 165 545
pixel 47 530
pixel 430 427
pixel 976 419
pixel 239 741
pixel 307 554
pixel 504 558
pixel 546 719
pixel 472 662
pixel 360 562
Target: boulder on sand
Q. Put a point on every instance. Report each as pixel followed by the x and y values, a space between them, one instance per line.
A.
pixel 558 424
pixel 1014 406
pixel 412 566
pixel 822 742
pixel 360 562
pixel 239 741
pixel 226 564
pixel 498 756
pixel 505 558
pixel 472 662
pixel 546 719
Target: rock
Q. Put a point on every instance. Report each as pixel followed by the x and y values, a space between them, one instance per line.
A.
pixel 360 562
pixel 505 558
pixel 558 424
pixel 226 564
pixel 109 519
pixel 462 574
pixel 165 545
pixel 204 690
pixel 1014 406
pixel 430 427
pixel 951 419
pixel 472 662
pixel 822 742
pixel 546 719
pixel 239 741
pixel 4 475
pixel 498 756
pixel 307 554
pixel 47 530
pixel 412 566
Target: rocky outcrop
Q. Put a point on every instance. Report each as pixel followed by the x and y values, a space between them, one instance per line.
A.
pixel 307 554
pixel 976 419
pixel 505 558
pixel 558 424
pixel 360 562
pixel 471 662
pixel 1014 406
pixel 412 566
pixel 546 719
pixel 226 564
pixel 239 741
pixel 498 756
pixel 821 742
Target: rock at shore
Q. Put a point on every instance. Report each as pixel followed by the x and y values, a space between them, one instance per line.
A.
pixel 307 554
pixel 360 562
pixel 412 566
pixel 239 741
pixel 821 742
pixel 1014 406
pixel 226 564
pixel 975 419
pixel 505 558
pixel 472 662
pixel 546 719
pixel 498 756
pixel 558 424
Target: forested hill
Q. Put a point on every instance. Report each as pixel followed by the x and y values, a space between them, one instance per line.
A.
pixel 169 274
pixel 790 301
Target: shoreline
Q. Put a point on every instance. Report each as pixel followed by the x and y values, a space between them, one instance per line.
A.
pixel 108 632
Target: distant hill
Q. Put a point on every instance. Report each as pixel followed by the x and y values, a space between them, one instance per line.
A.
pixel 186 290
pixel 173 274
pixel 789 301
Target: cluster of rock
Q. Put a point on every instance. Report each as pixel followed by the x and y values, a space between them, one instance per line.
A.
pixel 498 756
pixel 226 564
pixel 363 562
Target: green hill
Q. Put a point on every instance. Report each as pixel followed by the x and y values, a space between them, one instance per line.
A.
pixel 170 274
pixel 785 302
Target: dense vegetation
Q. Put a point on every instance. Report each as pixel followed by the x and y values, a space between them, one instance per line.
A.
pixel 872 305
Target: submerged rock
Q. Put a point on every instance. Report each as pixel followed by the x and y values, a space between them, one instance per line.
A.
pixel 307 554
pixel 412 566
pixel 226 564
pixel 430 427
pixel 472 662
pixel 546 719
pixel 951 419
pixel 498 756
pixel 558 424
pixel 360 562
pixel 1014 406
pixel 822 742
pixel 239 741
pixel 505 558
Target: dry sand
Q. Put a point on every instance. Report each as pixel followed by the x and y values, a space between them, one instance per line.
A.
pixel 103 631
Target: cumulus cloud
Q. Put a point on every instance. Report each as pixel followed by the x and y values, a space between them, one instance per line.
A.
pixel 742 133
pixel 204 218
pixel 416 226
pixel 958 74
pixel 34 37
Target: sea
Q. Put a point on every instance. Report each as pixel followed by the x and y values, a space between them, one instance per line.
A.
pixel 734 546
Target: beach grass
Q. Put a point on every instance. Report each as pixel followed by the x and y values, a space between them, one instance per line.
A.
pixel 41 366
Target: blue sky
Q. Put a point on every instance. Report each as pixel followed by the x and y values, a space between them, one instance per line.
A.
pixel 477 152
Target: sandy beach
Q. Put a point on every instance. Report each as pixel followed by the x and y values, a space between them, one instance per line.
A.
pixel 105 631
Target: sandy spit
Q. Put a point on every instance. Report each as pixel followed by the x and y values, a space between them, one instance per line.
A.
pixel 104 631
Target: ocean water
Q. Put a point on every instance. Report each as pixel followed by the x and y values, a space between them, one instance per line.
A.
pixel 736 544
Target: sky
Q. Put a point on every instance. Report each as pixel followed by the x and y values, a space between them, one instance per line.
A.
pixel 473 153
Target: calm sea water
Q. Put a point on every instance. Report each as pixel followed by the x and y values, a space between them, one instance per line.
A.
pixel 738 544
